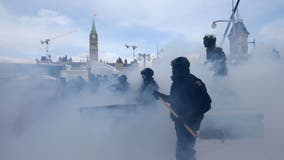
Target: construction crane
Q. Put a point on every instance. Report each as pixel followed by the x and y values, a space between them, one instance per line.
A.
pixel 133 48
pixel 46 41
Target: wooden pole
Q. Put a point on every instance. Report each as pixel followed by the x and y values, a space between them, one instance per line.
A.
pixel 165 104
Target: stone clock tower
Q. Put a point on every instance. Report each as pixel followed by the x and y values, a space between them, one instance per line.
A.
pixel 93 44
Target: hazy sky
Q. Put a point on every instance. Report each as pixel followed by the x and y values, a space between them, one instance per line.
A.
pixel 141 22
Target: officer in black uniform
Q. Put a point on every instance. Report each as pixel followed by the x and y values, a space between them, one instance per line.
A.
pixel 215 56
pixel 190 100
pixel 122 86
pixel 148 86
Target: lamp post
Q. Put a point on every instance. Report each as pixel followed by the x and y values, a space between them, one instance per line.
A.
pixel 231 20
pixel 159 50
pixel 133 48
pixel 143 57
pixel 214 23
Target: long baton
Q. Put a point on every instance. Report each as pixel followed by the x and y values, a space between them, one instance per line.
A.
pixel 165 104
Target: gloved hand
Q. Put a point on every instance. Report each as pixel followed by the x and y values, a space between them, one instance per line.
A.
pixel 156 94
pixel 179 119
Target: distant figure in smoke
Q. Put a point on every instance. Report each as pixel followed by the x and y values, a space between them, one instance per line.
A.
pixel 93 83
pixel 122 85
pixel 76 85
pixel 215 56
pixel 275 53
pixel 190 100
pixel 62 87
pixel 149 85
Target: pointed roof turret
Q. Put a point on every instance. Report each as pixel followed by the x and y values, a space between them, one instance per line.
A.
pixel 93 27
pixel 238 28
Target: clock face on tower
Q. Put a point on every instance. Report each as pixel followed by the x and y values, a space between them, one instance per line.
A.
pixel 93 36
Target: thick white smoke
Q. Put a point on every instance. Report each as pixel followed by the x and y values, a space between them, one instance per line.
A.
pixel 32 127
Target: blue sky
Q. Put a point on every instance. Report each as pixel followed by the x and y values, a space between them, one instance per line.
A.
pixel 140 22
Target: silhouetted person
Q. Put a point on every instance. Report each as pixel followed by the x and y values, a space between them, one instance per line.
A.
pixel 93 83
pixel 215 56
pixel 190 100
pixel 148 86
pixel 275 53
pixel 122 86
pixel 76 85
pixel 62 87
pixel 65 59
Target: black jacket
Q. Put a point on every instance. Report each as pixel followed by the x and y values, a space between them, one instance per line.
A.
pixel 148 87
pixel 217 58
pixel 189 98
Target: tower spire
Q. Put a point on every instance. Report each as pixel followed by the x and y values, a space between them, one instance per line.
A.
pixel 93 43
pixel 93 26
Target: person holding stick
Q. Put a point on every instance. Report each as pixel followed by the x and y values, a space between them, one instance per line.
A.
pixel 188 102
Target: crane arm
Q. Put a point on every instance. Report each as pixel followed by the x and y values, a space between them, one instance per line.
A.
pixel 61 35
pixel 46 41
pixel 229 23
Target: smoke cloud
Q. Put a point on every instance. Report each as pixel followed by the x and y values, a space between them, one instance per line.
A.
pixel 36 124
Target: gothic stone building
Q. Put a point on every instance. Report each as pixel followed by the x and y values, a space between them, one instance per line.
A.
pixel 239 40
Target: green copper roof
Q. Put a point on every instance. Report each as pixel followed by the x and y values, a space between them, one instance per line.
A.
pixel 93 27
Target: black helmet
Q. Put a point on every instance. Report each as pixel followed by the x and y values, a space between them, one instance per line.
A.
pixel 122 78
pixel 148 72
pixel 180 63
pixel 209 40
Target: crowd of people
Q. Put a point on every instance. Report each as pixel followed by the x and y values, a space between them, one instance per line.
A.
pixel 188 96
